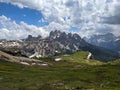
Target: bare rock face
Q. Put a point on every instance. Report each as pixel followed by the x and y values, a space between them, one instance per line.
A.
pixel 31 38
pixel 7 57
pixel 69 41
pixel 41 48
pixel 56 43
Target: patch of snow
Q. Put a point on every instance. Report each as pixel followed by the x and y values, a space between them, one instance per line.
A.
pixel 20 40
pixel 66 55
pixel 58 36
pixel 33 64
pixel 89 55
pixel 61 45
pixel 57 51
pixel 35 55
pixel 14 44
pixel 10 43
pixel 44 64
pixel 75 47
pixel 1 43
pixel 117 39
pixel 24 63
pixel 67 47
pixel 58 59
pixel 38 56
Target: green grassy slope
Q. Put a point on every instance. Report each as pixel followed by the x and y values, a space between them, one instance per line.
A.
pixel 63 75
pixel 114 62
pixel 100 53
pixel 80 57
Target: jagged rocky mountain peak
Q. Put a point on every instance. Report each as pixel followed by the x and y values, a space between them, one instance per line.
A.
pixel 57 41
pixel 63 35
pixel 31 38
pixel 55 34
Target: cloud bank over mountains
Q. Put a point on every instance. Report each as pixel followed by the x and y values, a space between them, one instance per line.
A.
pixel 90 16
pixel 11 30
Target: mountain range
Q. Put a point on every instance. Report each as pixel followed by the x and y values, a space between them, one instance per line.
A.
pixel 109 41
pixel 57 43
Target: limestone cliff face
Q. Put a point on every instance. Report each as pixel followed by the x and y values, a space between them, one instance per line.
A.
pixel 34 48
pixel 41 48
pixel 56 43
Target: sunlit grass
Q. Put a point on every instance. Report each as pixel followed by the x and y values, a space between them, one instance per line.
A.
pixel 71 73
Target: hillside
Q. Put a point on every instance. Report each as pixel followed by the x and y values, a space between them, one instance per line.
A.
pixel 59 44
pixel 20 60
pixel 72 73
pixel 81 57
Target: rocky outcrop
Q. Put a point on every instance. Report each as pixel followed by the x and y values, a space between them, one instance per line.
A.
pixel 7 57
pixel 35 48
pixel 41 48
pixel 69 41
pixel 56 43
pixel 31 38
pixel 21 60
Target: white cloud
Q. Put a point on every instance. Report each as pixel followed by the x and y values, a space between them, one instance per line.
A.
pixel 11 30
pixel 116 30
pixel 56 26
pixel 85 14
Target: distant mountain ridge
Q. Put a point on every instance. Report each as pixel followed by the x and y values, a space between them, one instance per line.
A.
pixel 56 43
pixel 108 41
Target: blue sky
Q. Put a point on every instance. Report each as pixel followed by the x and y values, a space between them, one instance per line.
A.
pixel 19 18
pixel 29 16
